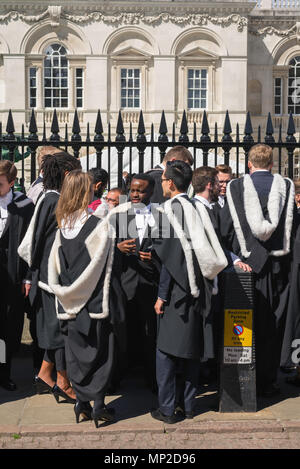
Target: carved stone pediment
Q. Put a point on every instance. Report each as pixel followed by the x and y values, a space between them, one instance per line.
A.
pixel 198 53
pixel 130 52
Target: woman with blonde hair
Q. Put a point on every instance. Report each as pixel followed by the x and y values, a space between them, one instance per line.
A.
pixel 88 295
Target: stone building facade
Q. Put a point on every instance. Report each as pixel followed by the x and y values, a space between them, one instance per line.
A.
pixel 170 55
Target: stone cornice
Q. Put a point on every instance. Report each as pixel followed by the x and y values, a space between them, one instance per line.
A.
pixel 118 13
pixel 281 28
pixel 119 17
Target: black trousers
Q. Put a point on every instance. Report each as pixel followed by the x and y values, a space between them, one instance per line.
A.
pixel 169 390
pixel 271 290
pixel 141 330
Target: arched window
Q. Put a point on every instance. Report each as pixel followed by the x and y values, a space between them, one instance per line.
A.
pixel 294 86
pixel 56 77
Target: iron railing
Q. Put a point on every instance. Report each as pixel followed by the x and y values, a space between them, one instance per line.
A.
pixel 206 148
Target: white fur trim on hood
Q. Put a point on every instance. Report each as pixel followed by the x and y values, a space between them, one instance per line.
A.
pixel 75 296
pixel 211 259
pixel 25 248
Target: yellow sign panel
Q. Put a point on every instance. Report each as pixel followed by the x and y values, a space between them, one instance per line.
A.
pixel 238 327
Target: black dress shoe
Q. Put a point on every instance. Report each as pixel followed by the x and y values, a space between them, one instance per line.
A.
pixel 8 384
pixel 58 392
pixel 189 415
pixel 158 415
pixel 84 410
pixel 104 413
pixel 41 386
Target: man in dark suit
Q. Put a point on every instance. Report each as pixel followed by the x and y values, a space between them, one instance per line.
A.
pixel 258 223
pixel 140 274
pixel 178 152
pixel 184 296
pixel 224 176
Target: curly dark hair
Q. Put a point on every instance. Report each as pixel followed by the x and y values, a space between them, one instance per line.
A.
pixel 55 168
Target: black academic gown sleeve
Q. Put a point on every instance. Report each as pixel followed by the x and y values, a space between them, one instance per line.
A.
pixel 183 329
pixel 13 271
pixel 43 238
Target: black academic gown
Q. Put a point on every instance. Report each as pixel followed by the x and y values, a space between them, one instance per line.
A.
pixel 90 343
pixel 139 281
pixel 48 329
pixel 271 275
pixel 184 330
pixel 292 328
pixel 13 270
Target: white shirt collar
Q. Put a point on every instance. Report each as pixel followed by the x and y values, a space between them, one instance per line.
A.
pixel 179 195
pixel 203 200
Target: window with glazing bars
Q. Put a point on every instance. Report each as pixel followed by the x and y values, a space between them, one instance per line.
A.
pixel 294 86
pixel 197 88
pixel 56 77
pixel 130 87
pixel 32 87
pixel 278 96
pixel 79 87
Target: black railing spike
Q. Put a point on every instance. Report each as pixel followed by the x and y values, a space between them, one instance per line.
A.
pixel 66 132
pixel 44 131
pixel 98 126
pixel 248 125
pixel 109 132
pixel 120 126
pixel 195 132
pixel 141 126
pixel 173 132
pixel 216 132
pixel 23 133
pixel 32 125
pixel 76 127
pixel 280 133
pixel 10 128
pixel 237 132
pixel 130 132
pixel 227 125
pixel 152 132
pixel 270 128
pixel 163 130
pixel 291 125
pixel 88 132
pixel 269 139
pixel 259 134
pixel 184 127
pixel 205 130
pixel 54 125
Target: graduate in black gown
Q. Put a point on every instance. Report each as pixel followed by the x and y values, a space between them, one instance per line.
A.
pixel 15 213
pixel 89 296
pixel 258 223
pixel 35 250
pixel 136 222
pixel 189 264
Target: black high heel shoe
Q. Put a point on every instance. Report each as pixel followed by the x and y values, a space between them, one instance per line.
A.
pixel 58 392
pixel 104 414
pixel 84 409
pixel 41 386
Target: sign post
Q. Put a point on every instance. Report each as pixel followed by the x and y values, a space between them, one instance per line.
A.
pixel 237 370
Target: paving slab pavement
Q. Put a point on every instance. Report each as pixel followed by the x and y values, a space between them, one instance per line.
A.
pixel 28 420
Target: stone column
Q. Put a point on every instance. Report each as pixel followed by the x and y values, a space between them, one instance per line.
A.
pixel 164 87
pixel 96 87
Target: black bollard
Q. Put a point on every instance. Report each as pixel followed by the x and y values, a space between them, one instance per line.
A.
pixel 237 368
